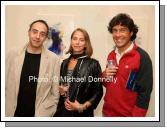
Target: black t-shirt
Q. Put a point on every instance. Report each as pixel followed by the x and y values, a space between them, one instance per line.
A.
pixel 28 86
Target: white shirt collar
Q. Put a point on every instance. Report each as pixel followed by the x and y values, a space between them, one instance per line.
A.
pixel 118 56
pixel 127 50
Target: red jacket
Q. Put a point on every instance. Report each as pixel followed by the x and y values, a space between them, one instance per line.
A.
pixel 130 95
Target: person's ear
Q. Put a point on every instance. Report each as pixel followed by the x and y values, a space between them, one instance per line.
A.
pixel 131 33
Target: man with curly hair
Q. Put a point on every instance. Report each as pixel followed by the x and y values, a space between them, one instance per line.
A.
pixel 129 96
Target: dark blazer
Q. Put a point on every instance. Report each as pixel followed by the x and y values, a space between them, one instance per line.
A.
pixel 82 91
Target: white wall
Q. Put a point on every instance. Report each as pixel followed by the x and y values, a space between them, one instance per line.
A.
pixel 94 19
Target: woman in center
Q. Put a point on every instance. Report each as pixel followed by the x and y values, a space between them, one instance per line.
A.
pixel 79 95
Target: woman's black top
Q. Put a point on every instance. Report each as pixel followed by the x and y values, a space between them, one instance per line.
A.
pixel 87 89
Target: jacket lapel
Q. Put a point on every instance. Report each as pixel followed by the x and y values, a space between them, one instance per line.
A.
pixel 43 67
pixel 19 64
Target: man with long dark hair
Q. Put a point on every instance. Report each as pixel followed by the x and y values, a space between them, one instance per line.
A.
pixel 129 95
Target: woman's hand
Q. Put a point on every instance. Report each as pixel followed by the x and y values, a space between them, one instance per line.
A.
pixel 76 106
pixel 63 90
pixel 72 106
